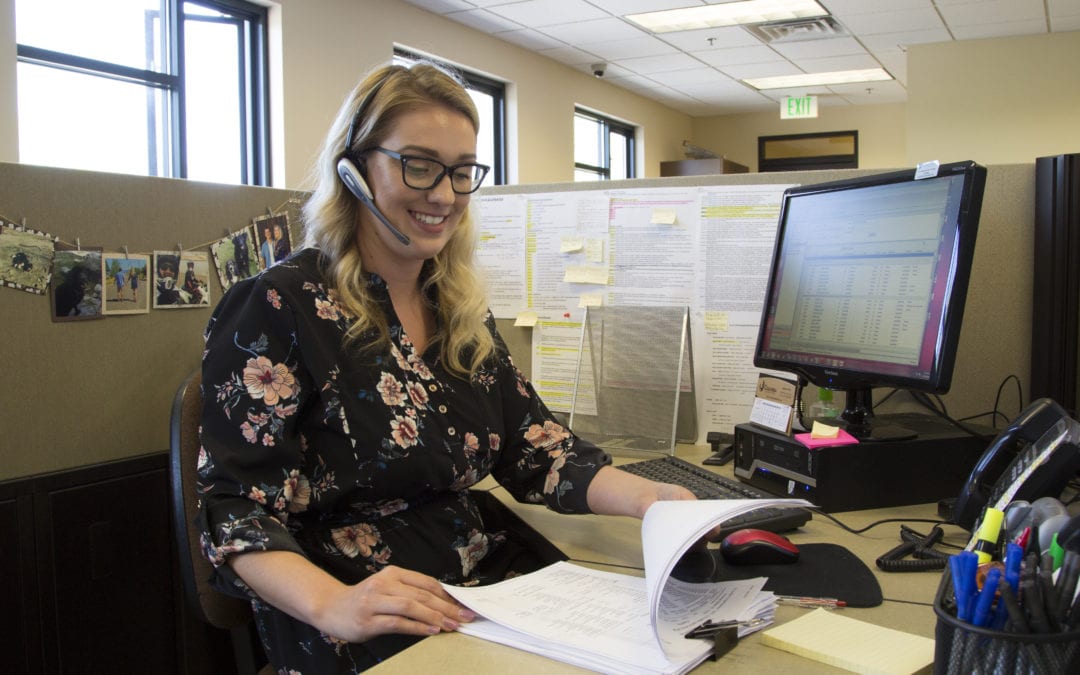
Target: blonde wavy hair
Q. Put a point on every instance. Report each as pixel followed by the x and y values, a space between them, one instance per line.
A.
pixel 331 215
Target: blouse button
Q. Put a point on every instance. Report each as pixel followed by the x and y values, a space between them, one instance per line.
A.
pixel 442 409
pixel 433 387
pixel 451 431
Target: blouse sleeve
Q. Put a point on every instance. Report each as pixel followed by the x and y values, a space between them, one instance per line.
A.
pixel 541 461
pixel 249 463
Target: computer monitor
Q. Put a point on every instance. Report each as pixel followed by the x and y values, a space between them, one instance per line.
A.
pixel 868 282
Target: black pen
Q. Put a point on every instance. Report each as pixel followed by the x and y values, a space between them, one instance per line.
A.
pixel 1067 579
pixel 1016 615
pixel 1033 602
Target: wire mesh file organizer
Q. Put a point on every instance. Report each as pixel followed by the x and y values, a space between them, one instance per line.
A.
pixel 634 385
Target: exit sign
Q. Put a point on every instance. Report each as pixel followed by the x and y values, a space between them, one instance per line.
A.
pixel 794 108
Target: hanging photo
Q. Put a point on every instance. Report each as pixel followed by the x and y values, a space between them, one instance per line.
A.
pixel 126 280
pixel 181 279
pixel 76 283
pixel 275 241
pixel 235 257
pixel 26 258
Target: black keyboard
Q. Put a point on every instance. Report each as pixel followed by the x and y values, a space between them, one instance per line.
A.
pixel 707 484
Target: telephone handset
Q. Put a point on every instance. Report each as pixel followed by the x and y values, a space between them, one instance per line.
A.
pixel 1034 457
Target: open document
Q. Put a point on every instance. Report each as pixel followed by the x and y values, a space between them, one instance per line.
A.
pixel 617 623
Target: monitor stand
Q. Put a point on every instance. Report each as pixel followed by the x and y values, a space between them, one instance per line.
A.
pixel 858 420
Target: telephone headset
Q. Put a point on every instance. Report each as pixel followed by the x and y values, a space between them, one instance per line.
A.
pixel 353 177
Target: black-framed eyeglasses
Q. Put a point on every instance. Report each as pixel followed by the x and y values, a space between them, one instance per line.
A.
pixel 424 173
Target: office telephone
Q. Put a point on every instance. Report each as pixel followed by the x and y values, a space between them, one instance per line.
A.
pixel 1035 456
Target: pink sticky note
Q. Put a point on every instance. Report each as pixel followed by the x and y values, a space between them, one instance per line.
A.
pixel 842 438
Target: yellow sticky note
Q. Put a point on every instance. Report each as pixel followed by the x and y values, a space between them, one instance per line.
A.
pixel 820 430
pixel 663 216
pixel 717 321
pixel 526 319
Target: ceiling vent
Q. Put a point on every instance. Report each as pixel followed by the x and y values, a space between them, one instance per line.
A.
pixel 798 30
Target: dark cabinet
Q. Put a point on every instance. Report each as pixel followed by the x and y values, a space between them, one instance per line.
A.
pixel 91 571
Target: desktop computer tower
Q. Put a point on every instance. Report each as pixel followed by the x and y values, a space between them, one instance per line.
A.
pixel 932 466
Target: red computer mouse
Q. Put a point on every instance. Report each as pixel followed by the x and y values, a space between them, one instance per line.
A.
pixel 758 547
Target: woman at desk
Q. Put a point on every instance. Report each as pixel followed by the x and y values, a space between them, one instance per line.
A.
pixel 354 392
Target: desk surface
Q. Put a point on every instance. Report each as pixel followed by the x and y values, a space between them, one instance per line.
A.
pixel 614 543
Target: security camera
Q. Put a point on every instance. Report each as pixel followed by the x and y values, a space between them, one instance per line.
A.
pixel 598 69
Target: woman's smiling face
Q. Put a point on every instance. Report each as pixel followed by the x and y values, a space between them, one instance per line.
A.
pixel 428 217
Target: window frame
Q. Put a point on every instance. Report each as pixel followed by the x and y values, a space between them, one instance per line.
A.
pixel 253 94
pixel 606 127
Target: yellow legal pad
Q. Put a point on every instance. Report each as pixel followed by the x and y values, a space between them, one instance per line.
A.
pixel 829 637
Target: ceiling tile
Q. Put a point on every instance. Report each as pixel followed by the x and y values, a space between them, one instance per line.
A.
pixel 892 21
pixel 1067 23
pixel 744 71
pixel 484 21
pixel 568 55
pixel 442 6
pixel 540 13
pixel 731 57
pixel 992 30
pixel 842 46
pixel 639 46
pixel 991 11
pixel 597 30
pixel 827 65
pixel 902 39
pixel 530 39
pixel 660 64
pixel 711 38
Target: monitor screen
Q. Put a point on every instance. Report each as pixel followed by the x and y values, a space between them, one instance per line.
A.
pixel 868 281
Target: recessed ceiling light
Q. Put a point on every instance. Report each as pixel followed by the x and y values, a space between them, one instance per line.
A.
pixel 726 14
pixel 818 79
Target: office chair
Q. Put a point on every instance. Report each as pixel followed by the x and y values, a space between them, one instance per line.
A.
pixel 212 607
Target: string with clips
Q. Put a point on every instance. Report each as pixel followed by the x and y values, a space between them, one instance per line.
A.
pixel 77 244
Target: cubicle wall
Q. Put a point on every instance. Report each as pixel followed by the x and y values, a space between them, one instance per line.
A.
pixel 80 393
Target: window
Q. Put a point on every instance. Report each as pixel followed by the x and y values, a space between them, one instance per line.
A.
pixel 803 152
pixel 174 88
pixel 490 99
pixel 603 148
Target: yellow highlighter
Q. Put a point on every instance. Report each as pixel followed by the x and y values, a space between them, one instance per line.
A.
pixel 986 540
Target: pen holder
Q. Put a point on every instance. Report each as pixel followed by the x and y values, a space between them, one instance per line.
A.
pixel 963 648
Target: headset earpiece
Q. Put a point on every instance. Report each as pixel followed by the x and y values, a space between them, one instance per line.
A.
pixel 353 179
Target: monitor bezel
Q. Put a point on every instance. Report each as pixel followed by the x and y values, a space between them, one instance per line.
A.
pixel 939 379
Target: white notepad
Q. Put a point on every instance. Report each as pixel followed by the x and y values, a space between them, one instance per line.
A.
pixel 829 637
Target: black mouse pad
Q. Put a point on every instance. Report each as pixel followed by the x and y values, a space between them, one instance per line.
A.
pixel 822 571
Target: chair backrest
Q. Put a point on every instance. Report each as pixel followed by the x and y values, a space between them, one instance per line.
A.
pixel 209 605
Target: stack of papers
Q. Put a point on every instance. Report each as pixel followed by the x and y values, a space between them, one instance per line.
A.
pixel 617 623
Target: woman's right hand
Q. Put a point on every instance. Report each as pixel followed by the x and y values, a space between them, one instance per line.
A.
pixel 393 600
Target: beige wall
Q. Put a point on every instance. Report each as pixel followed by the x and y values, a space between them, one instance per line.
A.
pixel 881 132
pixel 328 44
pixel 994 101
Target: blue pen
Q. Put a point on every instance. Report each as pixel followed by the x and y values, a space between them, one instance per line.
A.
pixel 1014 556
pixel 959 589
pixel 971 572
pixel 986 598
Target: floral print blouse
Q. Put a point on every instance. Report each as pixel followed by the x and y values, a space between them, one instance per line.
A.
pixel 361 460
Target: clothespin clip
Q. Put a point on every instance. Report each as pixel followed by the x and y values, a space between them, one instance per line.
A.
pixel 179 250
pixel 78 246
pixel 125 253
pixel 22 222
pixel 269 212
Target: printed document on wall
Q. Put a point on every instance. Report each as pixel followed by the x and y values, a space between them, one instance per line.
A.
pixel 737 233
pixel 500 221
